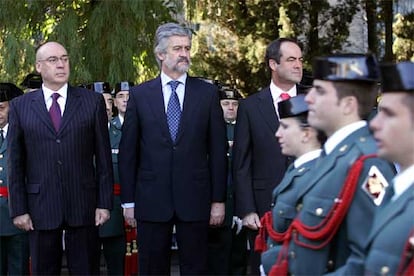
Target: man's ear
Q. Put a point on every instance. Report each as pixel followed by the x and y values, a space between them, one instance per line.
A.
pixel 272 64
pixel 350 103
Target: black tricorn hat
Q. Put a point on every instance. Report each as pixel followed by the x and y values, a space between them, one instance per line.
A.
pixel 123 86
pixel 228 93
pixel 33 81
pixel 8 91
pixel 100 87
pixel 397 77
pixel 293 107
pixel 346 67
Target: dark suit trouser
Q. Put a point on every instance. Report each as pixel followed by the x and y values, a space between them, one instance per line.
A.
pixel 154 244
pixel 14 254
pixel 81 249
pixel 227 252
pixel 114 249
pixel 254 257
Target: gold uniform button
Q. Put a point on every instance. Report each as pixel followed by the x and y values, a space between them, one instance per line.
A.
pixel 319 212
pixel 385 270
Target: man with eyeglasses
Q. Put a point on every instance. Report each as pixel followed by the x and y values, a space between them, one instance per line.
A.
pixel 60 169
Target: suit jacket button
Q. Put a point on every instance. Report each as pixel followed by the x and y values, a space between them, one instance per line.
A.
pixel 1 169
pixel 58 141
pixel 59 162
pixel 1 181
pixel 1 156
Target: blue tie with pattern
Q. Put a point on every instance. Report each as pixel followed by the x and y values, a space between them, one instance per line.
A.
pixel 173 110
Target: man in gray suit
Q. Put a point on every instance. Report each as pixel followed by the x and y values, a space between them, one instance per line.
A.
pixel 393 128
pixel 60 169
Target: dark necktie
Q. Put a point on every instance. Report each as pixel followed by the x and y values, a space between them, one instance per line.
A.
pixel 284 96
pixel 54 111
pixel 173 110
pixel 1 137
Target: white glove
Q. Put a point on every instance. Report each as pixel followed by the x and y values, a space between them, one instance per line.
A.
pixel 237 222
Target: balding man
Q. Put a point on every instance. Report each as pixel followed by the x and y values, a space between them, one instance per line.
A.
pixel 60 169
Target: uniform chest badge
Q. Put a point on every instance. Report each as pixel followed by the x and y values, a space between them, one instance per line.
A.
pixel 375 185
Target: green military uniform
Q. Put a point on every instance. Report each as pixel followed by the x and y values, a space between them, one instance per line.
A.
pixel 112 233
pixel 227 249
pixel 14 243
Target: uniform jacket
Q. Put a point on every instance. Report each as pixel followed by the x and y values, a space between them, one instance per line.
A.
pixel 284 207
pixel 326 180
pixel 163 177
pixel 115 225
pixel 7 227
pixel 52 175
pixel 258 163
pixel 389 234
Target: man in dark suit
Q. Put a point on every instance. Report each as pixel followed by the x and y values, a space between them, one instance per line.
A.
pixel 172 159
pixel 258 164
pixel 60 169
pixel 14 242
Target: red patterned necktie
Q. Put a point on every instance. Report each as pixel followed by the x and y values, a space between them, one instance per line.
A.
pixel 54 111
pixel 284 96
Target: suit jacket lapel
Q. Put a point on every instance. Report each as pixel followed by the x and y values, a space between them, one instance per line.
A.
pixel 267 108
pixel 39 107
pixel 156 102
pixel 190 105
pixel 389 212
pixel 73 103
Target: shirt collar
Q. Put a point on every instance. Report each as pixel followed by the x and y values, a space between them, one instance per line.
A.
pixel 166 79
pixel 341 134
pixel 5 129
pixel 307 157
pixel 63 91
pixel 276 91
pixel 403 181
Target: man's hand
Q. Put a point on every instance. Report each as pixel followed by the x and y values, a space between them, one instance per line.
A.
pixel 23 222
pixel 217 213
pixel 129 217
pixel 252 221
pixel 101 216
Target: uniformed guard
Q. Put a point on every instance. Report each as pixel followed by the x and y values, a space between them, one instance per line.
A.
pixel 105 89
pixel 337 206
pixel 112 233
pixel 227 244
pixel 14 243
pixel 303 142
pixel 390 249
pixel 32 82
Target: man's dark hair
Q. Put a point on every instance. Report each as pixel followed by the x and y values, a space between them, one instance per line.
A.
pixel 273 50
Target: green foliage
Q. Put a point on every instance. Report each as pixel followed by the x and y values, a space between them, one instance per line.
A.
pixel 404 42
pixel 107 40
pixel 112 40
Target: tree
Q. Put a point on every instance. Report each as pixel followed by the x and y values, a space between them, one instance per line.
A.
pixel 106 40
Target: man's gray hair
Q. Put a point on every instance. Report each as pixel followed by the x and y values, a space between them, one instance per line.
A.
pixel 164 32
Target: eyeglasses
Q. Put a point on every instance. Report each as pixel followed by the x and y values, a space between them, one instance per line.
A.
pixel 54 60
